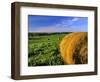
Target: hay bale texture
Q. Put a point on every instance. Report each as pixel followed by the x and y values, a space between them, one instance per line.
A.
pixel 73 48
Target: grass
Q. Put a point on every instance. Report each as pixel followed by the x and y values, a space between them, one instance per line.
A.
pixel 43 49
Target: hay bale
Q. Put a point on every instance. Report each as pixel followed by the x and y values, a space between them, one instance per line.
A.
pixel 73 48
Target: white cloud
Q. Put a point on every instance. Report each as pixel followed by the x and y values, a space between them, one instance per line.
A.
pixel 75 19
pixel 67 23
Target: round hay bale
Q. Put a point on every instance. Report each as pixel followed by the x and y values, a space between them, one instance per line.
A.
pixel 73 48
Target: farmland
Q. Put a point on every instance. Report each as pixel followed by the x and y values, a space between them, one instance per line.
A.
pixel 43 49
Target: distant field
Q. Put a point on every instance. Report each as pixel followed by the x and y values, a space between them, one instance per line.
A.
pixel 43 49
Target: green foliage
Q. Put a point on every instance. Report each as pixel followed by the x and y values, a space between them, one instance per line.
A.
pixel 44 49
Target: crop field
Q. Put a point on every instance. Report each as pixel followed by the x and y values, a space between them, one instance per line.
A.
pixel 45 49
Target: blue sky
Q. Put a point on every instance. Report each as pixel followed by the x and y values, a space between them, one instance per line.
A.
pixel 57 24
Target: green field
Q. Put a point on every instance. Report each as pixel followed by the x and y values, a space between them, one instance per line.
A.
pixel 43 49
